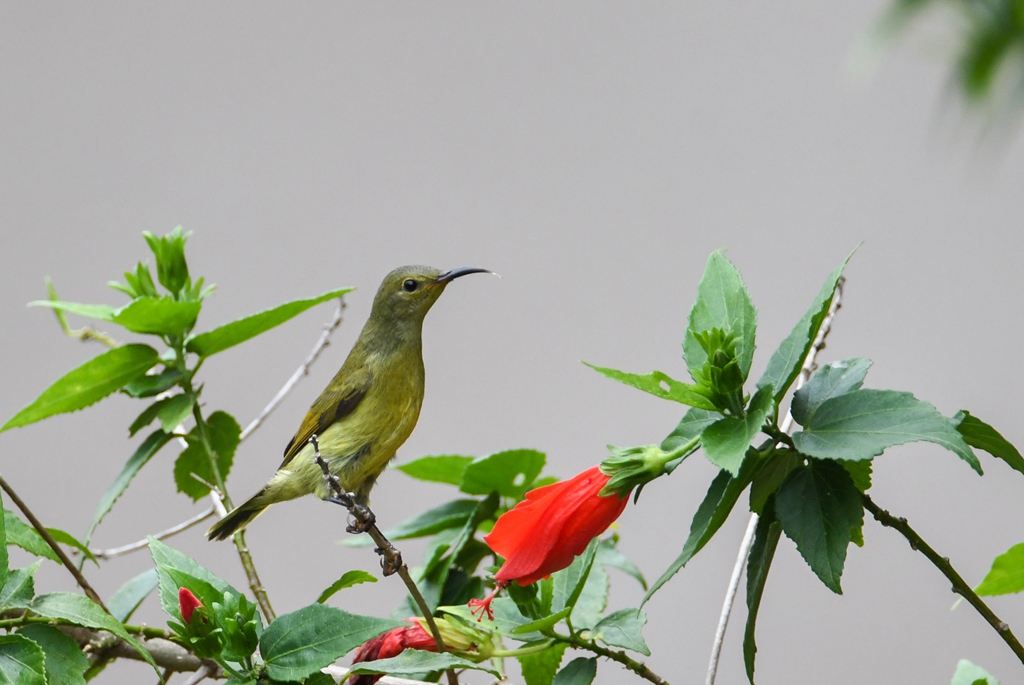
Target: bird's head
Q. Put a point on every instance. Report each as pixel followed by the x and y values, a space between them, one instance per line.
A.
pixel 408 292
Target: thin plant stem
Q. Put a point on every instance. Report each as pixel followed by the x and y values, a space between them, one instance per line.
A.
pixel 391 558
pixel 141 544
pixel 960 586
pixel 64 559
pixel 632 664
pixel 808 367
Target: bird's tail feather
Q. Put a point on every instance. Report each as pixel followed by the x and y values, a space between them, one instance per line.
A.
pixel 239 517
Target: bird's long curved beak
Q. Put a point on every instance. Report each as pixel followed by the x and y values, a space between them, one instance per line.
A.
pixel 452 274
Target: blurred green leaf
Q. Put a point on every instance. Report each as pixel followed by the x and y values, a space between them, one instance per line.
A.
pixel 771 475
pixel 412 662
pixel 979 434
pixel 348 579
pixel 175 410
pixel 446 468
pixel 970 674
pixel 25 536
pixel 146 416
pixel 126 600
pixel 171 267
pixel 19 589
pixel 766 540
pixel 609 555
pixel 87 384
pixel 726 441
pixel 449 515
pixel 63 658
pixel 785 363
pixel 21 661
pixel 150 446
pixel 66 538
pixel 722 302
pixel 658 384
pixel 541 624
pixel 149 386
pixel 102 312
pixel 569 582
pixel 240 330
pixel 861 424
pixel 693 423
pixel 299 644
pixel 820 509
pixel 169 558
pixel 509 473
pixel 593 600
pixel 834 379
pixel 158 316
pixel 711 514
pixel 540 668
pixel 623 629
pixel 1006 575
pixel 224 434
pixel 579 671
pixel 82 611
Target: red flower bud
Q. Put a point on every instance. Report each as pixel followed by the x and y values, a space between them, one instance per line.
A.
pixel 392 643
pixel 555 523
pixel 188 603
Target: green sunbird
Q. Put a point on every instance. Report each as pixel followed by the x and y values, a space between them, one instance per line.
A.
pixel 370 406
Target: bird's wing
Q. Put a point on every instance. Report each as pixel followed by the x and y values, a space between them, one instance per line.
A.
pixel 332 405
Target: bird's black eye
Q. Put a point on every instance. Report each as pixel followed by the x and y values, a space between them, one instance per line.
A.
pixel 410 285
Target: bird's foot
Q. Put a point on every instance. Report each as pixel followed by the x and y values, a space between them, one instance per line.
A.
pixel 343 499
pixel 363 518
pixel 390 559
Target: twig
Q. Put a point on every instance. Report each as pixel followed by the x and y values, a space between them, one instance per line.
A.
pixel 960 586
pixel 303 370
pixel 632 664
pixel 808 368
pixel 140 544
pixel 202 674
pixel 41 529
pixel 255 584
pixel 166 654
pixel 390 558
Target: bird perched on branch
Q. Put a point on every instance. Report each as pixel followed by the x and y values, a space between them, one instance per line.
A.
pixel 370 406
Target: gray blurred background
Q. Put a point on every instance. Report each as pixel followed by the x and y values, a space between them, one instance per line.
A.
pixel 593 154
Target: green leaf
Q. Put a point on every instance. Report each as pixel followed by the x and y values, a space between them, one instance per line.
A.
pixel 1006 575
pixel 722 302
pixel 143 454
pixel 540 668
pixel 860 471
pixel 102 312
pixel 541 624
pixel 19 589
pixel 771 475
pixel 150 385
pixel 21 661
pixel 88 384
pixel 452 514
pixel 66 538
pixel 711 514
pixel 147 416
pixel 819 508
pixel 240 330
pixel 415 661
pixel 299 644
pixel 970 674
pixel 658 384
pixel 510 473
pixel 785 363
pixel 834 379
pixel 63 658
pixel 126 600
pixel 82 611
pixel 569 582
pixel 766 540
pixel 693 423
pixel 25 536
pixel 348 579
pixel 726 441
pixel 168 558
pixel 609 555
pixel 175 410
pixel 623 629
pixel 579 671
pixel 447 468
pixel 224 434
pixel 593 600
pixel 863 423
pixel 158 316
pixel 979 434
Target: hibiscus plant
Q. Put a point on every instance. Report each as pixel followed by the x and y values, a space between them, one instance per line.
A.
pixel 515 563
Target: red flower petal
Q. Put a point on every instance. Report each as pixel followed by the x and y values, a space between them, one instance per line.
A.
pixel 187 603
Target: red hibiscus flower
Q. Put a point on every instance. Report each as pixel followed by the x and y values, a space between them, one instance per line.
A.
pixel 188 603
pixel 389 644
